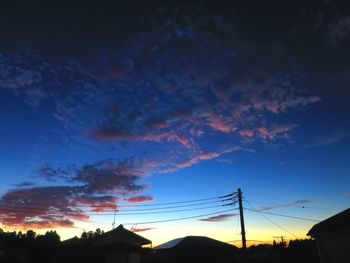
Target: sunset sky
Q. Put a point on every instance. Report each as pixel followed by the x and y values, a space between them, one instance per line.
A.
pixel 117 106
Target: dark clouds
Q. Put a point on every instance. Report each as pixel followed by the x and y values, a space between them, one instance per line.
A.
pixel 163 77
pixel 93 187
pixel 40 207
pixel 218 218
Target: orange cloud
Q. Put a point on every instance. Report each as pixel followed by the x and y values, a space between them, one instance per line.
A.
pixel 134 229
pixel 140 199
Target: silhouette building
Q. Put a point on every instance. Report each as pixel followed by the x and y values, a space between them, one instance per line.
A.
pixel 333 238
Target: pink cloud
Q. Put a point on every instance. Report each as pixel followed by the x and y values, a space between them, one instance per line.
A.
pixel 105 135
pixel 102 135
pixel 247 133
pixel 239 110
pixel 300 101
pixel 205 156
pixel 151 164
pixel 98 204
pixel 89 187
pixel 274 131
pixel 135 229
pixel 140 199
pixel 182 140
pixel 217 123
pixel 265 133
pixel 39 207
pixel 280 101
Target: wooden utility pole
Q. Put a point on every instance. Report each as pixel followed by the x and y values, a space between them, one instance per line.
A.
pixel 244 244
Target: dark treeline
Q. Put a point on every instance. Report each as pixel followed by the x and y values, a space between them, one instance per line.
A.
pixel 91 234
pixel 30 247
pixel 27 247
pixel 298 250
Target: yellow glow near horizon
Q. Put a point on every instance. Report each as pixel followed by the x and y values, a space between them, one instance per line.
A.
pixel 165 232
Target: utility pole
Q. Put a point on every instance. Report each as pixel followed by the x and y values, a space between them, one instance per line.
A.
pixel 244 245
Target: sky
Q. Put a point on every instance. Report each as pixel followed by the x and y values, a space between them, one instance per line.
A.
pixel 132 105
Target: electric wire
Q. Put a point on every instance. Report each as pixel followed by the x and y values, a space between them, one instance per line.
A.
pixel 2 203
pixel 28 208
pixel 106 214
pixel 250 240
pixel 290 205
pixel 287 231
pixel 288 216
pixel 178 219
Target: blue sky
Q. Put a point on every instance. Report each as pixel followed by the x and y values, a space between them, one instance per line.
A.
pixel 185 108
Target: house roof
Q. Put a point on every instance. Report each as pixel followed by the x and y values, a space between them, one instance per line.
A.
pixel 121 235
pixel 194 241
pixel 338 222
pixel 72 240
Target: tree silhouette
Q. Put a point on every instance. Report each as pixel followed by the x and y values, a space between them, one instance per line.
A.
pixel 29 247
pixel 91 234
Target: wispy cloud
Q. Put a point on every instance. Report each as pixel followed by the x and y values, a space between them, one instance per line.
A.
pixel 296 203
pixel 140 199
pixel 331 138
pixel 148 95
pixel 199 95
pixel 218 218
pixel 205 156
pixel 275 131
pixel 247 133
pixel 136 229
pixel 25 184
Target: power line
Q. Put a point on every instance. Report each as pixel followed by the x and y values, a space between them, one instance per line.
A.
pixel 232 195
pixel 67 209
pixel 179 206
pixel 106 214
pixel 178 219
pixel 249 240
pixel 271 220
pixel 279 205
pixel 37 209
pixel 172 211
pixel 320 208
pixel 288 216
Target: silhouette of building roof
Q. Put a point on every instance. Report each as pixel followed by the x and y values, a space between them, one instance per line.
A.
pixel 123 236
pixel 194 241
pixel 334 224
pixel 70 241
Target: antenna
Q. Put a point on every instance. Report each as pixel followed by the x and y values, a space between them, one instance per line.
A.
pixel 115 214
